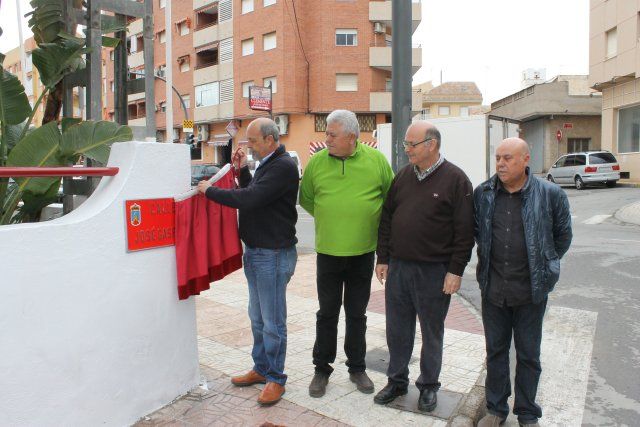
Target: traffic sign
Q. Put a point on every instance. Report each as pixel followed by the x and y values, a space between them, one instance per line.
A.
pixel 187 126
pixel 232 129
pixel 559 135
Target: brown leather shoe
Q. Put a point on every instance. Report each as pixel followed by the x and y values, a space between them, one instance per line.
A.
pixel 250 378
pixel 271 394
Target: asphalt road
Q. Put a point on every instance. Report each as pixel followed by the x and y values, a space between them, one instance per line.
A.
pixel 600 274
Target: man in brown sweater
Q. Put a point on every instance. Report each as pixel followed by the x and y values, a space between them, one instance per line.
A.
pixel 425 240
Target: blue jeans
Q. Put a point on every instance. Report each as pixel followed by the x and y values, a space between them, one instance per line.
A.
pixel 524 322
pixel 268 271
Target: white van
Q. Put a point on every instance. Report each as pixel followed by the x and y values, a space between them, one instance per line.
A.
pixel 253 164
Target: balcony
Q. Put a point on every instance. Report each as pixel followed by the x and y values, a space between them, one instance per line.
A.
pixel 380 102
pixel 380 11
pixel 136 59
pixel 213 73
pixel 380 57
pixel 213 33
pixel 213 113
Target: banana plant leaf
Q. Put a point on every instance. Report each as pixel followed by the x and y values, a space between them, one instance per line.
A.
pixel 93 139
pixel 46 20
pixel 39 148
pixel 12 135
pixel 14 104
pixel 32 204
pixel 54 60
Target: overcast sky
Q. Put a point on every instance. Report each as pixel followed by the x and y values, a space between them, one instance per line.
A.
pixel 490 42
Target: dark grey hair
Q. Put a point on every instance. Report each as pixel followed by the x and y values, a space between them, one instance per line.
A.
pixel 434 133
pixel 269 127
pixel 347 119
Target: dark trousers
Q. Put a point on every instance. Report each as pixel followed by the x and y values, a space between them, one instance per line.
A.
pixel 335 274
pixel 415 288
pixel 525 322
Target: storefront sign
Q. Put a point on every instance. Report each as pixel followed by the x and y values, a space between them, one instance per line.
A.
pixel 260 98
pixel 150 223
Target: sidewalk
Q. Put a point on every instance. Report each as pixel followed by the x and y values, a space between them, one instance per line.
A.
pixel 224 338
pixel 629 214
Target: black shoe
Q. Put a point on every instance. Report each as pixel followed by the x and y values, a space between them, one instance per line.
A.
pixel 428 400
pixel 389 393
pixel 362 381
pixel 318 385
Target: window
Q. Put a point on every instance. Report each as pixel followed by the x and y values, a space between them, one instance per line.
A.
pixel 269 41
pixel 226 90
pixel 245 88
pixel 346 37
pixel 160 136
pixel 270 80
pixel 367 122
pixel 112 55
pixel 601 158
pixel 207 17
pixel 183 28
pixel 113 86
pixel 163 4
pixel 28 63
pixel 207 57
pixel 266 3
pixel 561 162
pixel 247 6
pixel 580 160
pixel 208 94
pixel 346 82
pixel 176 135
pixel 464 111
pixel 225 9
pixel 247 47
pixel 575 145
pixel 162 36
pixel 187 100
pixel 226 50
pixel 443 111
pixel 388 85
pixel 629 130
pixel 183 63
pixel 612 42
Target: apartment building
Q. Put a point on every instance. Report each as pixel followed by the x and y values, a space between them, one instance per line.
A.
pixel 451 99
pixel 317 56
pixel 33 87
pixel 614 69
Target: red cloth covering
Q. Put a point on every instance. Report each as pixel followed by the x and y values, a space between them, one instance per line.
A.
pixel 207 242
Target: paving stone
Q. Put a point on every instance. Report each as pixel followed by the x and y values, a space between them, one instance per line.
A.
pixel 447 403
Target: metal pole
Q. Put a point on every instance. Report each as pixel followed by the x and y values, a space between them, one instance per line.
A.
pixel 168 31
pixel 120 75
pixel 150 96
pixel 401 79
pixel 23 55
pixel 94 62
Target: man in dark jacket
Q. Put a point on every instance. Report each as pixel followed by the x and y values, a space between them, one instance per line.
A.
pixel 267 225
pixel 522 229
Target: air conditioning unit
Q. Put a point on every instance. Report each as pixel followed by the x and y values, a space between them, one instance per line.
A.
pixel 379 28
pixel 203 132
pixel 282 121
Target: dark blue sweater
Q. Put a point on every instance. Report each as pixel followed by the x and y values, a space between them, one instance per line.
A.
pixel 266 202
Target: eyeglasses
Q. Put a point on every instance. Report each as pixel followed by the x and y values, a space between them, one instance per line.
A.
pixel 408 144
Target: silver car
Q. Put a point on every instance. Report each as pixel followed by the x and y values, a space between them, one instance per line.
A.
pixel 585 168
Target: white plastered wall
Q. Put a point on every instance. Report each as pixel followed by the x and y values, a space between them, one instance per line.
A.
pixel 89 333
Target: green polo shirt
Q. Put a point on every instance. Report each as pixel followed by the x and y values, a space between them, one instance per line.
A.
pixel 345 197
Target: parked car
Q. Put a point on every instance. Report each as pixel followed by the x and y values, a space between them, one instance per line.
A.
pixel 202 171
pixel 585 168
pixel 253 164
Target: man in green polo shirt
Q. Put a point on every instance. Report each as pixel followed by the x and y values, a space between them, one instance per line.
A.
pixel 343 188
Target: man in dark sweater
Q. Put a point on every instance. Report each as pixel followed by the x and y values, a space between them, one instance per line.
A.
pixel 424 244
pixel 267 225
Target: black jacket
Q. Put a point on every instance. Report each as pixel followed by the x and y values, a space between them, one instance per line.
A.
pixel 266 202
pixel 547 231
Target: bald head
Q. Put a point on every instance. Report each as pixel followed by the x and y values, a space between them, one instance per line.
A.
pixel 426 129
pixel 512 159
pixel 262 137
pixel 516 145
